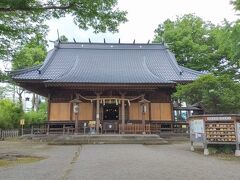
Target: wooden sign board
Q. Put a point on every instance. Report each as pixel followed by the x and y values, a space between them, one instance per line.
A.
pixel 22 122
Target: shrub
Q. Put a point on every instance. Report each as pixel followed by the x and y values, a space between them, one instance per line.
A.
pixel 212 150
pixel 36 117
pixel 10 114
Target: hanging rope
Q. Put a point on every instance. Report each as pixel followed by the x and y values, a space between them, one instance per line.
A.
pixel 103 100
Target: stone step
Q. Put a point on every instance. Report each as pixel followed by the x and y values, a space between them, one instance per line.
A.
pixel 106 139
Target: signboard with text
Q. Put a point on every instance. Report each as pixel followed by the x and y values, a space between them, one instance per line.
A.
pixel 197 130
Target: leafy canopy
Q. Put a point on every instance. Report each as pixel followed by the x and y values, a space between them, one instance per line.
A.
pixel 32 53
pixel 21 20
pixel 215 94
pixel 201 45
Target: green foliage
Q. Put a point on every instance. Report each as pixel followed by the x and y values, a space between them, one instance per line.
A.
pixel 188 38
pixel 35 117
pixel 10 114
pixel 22 19
pixel 212 150
pixel 201 45
pixel 63 38
pixel 215 94
pixel 32 53
pixel 226 149
pixel 236 4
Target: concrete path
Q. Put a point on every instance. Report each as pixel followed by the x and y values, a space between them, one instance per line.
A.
pixel 115 162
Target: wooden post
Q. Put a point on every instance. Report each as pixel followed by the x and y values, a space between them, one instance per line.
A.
pixel 63 129
pixel 143 104
pixel 123 114
pixel 48 128
pixel 49 106
pixel 143 118
pixel 31 129
pixel 98 114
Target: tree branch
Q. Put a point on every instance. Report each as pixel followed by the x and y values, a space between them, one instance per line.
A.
pixel 3 9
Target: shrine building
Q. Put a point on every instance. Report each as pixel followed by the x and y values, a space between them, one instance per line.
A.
pixel 116 87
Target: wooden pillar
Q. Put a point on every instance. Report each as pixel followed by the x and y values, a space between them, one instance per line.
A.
pixel 143 118
pixel 98 114
pixel 123 113
pixel 143 104
pixel 49 106
pixel 48 128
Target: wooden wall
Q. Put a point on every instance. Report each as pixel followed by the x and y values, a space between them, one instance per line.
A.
pixel 135 112
pixel 59 111
pixel 161 111
pixel 86 111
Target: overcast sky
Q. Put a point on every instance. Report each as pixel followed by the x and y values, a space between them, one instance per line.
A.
pixel 144 17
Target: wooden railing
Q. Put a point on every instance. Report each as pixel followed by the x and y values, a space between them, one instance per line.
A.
pixel 153 127
pixel 8 133
pixel 169 127
pixel 134 128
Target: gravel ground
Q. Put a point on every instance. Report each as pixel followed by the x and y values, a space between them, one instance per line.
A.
pixel 114 162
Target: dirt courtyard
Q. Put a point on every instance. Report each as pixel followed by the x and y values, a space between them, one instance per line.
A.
pixel 90 162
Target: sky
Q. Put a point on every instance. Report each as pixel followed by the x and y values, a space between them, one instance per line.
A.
pixel 143 18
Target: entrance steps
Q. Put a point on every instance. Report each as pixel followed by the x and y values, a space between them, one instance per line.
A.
pixel 148 139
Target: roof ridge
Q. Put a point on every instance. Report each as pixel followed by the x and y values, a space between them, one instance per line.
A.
pixel 25 70
pixel 102 43
pixel 191 70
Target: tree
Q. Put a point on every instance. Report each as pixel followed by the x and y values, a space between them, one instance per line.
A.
pixel 22 19
pixel 32 53
pixel 36 117
pixel 63 38
pixel 216 94
pixel 10 114
pixel 236 4
pixel 226 40
pixel 188 38
pixel 202 45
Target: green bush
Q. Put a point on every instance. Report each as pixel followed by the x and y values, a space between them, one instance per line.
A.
pixel 10 114
pixel 227 149
pixel 36 117
pixel 212 150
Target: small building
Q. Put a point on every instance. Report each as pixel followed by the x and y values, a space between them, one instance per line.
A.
pixel 114 85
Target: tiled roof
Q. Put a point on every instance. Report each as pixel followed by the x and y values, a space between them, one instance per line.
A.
pixel 109 63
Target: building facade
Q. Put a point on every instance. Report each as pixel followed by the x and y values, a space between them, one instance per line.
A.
pixel 110 86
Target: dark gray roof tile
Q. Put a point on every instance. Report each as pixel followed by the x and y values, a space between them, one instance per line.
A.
pixel 110 63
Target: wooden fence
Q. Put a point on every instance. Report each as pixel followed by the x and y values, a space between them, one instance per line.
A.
pixel 9 133
pixel 134 128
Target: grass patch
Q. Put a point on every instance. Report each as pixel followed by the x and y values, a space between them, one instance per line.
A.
pixel 19 160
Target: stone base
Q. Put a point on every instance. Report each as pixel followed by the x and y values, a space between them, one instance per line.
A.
pixel 206 152
pixel 237 153
pixel 192 148
pixel 148 139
